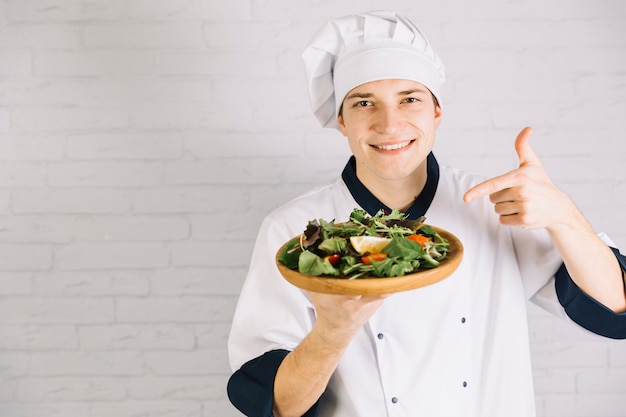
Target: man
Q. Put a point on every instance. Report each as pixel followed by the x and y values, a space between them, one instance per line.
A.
pixel 458 347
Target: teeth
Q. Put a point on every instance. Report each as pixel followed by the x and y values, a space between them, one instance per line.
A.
pixel 394 146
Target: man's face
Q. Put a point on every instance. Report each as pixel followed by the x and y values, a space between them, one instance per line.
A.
pixel 390 126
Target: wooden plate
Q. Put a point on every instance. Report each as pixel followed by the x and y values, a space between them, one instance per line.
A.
pixel 376 286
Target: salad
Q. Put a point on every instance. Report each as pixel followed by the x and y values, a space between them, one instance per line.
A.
pixel 383 245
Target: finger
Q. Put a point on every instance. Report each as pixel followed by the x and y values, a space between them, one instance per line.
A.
pixel 491 186
pixel 507 208
pixel 524 151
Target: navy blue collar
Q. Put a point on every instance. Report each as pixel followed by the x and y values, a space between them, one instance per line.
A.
pixel 372 205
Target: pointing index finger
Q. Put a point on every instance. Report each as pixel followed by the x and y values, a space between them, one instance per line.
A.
pixel 489 187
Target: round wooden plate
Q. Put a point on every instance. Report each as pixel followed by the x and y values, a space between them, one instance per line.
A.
pixel 377 286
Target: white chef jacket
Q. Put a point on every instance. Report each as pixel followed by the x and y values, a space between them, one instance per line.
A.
pixel 455 348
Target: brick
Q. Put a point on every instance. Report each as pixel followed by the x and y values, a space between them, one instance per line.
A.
pixel 5 197
pixel 63 10
pixel 545 115
pixel 125 145
pixel 296 118
pixel 561 355
pixel 601 86
pixel 152 90
pixel 230 225
pixel 86 363
pixel 36 229
pixel 204 254
pixel 16 283
pixel 91 63
pixel 264 199
pixel 233 63
pixel 26 257
pixel 136 228
pixel 121 255
pixel 8 386
pixel 22 175
pixel 555 381
pixel 43 92
pixel 617 354
pixel 201 362
pixel 271 92
pixel 40 36
pixel 16 147
pixel 212 335
pixel 197 281
pixel 533 33
pixel 580 405
pixel 174 309
pixel 569 168
pixel 5 121
pixel 133 408
pixel 245 145
pixel 141 35
pixel 268 34
pixel 105 174
pixel 139 337
pixel 188 117
pixel 91 283
pixel 61 389
pixel 188 10
pixel 14 364
pixel 15 62
pixel 490 88
pixel 567 60
pixel 602 381
pixel 71 409
pixel 67 119
pixel 189 199
pixel 33 337
pixel 203 387
pixel 325 144
pixel 222 407
pixel 222 171
pixel 619 194
pixel 55 201
pixel 35 310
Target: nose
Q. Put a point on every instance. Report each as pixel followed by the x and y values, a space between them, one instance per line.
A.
pixel 388 120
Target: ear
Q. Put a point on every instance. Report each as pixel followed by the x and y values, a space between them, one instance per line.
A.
pixel 342 126
pixel 438 115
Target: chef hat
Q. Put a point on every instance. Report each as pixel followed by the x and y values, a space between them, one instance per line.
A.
pixel 353 50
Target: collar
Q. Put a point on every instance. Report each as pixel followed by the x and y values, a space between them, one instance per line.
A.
pixel 372 205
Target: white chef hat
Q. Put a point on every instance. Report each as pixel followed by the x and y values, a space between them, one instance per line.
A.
pixel 353 50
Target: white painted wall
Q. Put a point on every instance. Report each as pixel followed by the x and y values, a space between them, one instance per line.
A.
pixel 142 142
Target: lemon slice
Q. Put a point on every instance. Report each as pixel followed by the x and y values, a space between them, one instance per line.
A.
pixel 368 244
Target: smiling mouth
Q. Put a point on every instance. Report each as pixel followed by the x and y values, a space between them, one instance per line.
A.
pixel 393 147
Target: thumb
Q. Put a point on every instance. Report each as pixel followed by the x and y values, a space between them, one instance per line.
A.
pixel 522 146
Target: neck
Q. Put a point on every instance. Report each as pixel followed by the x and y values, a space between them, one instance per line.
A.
pixel 397 193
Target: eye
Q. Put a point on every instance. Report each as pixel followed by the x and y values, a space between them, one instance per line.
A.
pixel 412 100
pixel 362 103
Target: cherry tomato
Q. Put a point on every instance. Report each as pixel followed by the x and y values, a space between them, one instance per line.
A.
pixel 376 257
pixel 333 259
pixel 421 239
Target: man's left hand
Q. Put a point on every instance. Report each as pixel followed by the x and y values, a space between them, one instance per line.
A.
pixel 524 197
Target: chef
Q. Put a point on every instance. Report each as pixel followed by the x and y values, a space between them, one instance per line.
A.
pixel 455 348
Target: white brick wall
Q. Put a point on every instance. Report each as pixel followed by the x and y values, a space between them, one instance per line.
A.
pixel 142 142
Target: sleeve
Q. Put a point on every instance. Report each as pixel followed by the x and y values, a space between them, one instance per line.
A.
pixel 587 312
pixel 271 318
pixel 250 388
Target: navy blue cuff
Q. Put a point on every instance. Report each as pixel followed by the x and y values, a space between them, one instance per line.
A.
pixel 586 311
pixel 251 388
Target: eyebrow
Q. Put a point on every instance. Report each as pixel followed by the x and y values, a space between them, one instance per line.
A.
pixel 400 93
